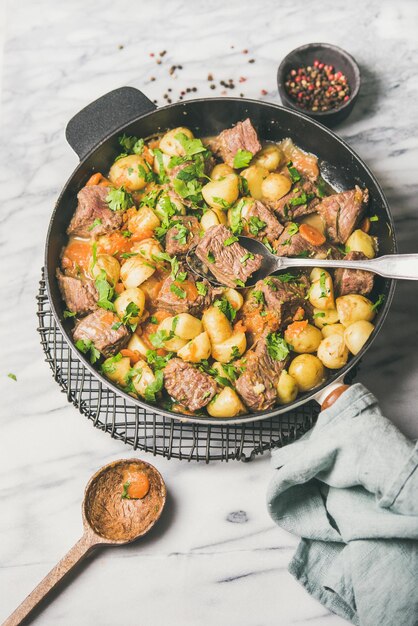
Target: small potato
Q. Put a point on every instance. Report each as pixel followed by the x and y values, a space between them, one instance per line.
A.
pixel 175 343
pixel 333 329
pixel 359 241
pixel 269 157
pixel 143 222
pixel 356 335
pixel 170 143
pixel 230 348
pixel 135 271
pixel 315 220
pixel 129 172
pixel 234 298
pixel 110 265
pixel 303 340
pixel 226 404
pixel 324 318
pixel 137 344
pixel 117 370
pixel 321 292
pixel 133 295
pixel 216 324
pixel 197 349
pixel 308 371
pixel 156 163
pixel 287 389
pixel 151 287
pixel 275 186
pixel 168 205
pixel 220 171
pixel 221 193
pixel 141 376
pixel 147 249
pixel 254 175
pixel 354 307
pixel 221 372
pixel 333 352
pixel 213 217
pixel 187 326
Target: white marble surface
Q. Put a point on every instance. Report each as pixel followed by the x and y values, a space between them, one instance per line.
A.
pixel 197 566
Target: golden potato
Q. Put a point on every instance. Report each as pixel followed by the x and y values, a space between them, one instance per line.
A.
pixel 226 404
pixel 356 335
pixel 133 295
pixel 144 221
pixel 275 186
pixel 270 157
pixel 129 172
pixel 324 318
pixel 321 291
pixel 175 343
pixel 308 371
pixel 220 171
pixel 354 307
pixel 108 264
pixel 197 349
pixel 333 352
pixel 287 389
pixel 147 249
pixel 141 376
pixel 229 349
pixel 221 193
pixel 254 175
pixel 135 271
pixel 117 370
pixel 213 217
pixel 333 329
pixel 137 344
pixel 187 326
pixel 306 339
pixel 315 220
pixel 234 298
pixel 170 143
pixel 216 324
pixel 359 241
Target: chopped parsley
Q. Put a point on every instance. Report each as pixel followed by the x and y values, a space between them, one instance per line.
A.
pixel 128 255
pixel 201 289
pixel 304 198
pixel 235 217
pixel 277 347
pixel 158 362
pixel 182 234
pixel 125 495
pixel 211 257
pixel 69 314
pixel 245 258
pixel 294 174
pixel 235 353
pixel 153 320
pixel 131 311
pixel 258 297
pixel 105 292
pixel 379 302
pixel 223 203
pixel 292 229
pixel 319 314
pixel 127 234
pixel 230 241
pixel 287 277
pixel 321 188
pixel 12 376
pixel 242 159
pixel 191 189
pixel 96 222
pixel 159 338
pixel 255 225
pixel 131 145
pixel 180 293
pixel 190 146
pixel 374 218
pixel 226 307
pixel 161 169
pixel 243 186
pixel 239 282
pixel 323 285
pixel 86 346
pixel 119 199
pixel 153 388
pixel 109 365
pixel 146 173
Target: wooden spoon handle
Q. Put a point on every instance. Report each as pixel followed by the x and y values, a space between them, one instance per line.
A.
pixel 51 580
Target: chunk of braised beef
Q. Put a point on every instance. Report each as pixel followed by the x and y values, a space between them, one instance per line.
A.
pixel 242 136
pixel 257 385
pixel 92 216
pixel 225 258
pixel 103 329
pixel 301 200
pixel 292 243
pixel 342 212
pixel 285 298
pixel 187 385
pixel 353 281
pixel 272 229
pixel 188 295
pixel 183 236
pixel 80 295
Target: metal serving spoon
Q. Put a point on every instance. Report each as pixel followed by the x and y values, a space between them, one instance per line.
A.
pixel 108 520
pixel 400 266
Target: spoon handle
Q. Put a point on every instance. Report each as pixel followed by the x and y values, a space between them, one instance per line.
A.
pixel 403 266
pixel 51 580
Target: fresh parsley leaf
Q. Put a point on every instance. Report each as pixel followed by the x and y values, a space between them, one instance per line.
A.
pixel 242 159
pixel 319 314
pixel 127 234
pixel 86 346
pixel 109 365
pixel 239 282
pixel 255 225
pixel 277 347
pixel 153 388
pixel 230 241
pixel 151 198
pixel 162 175
pixel 321 188
pixel 379 302
pixel 131 311
pixel 302 199
pixel 223 203
pixel 323 285
pixel 190 146
pixel 304 254
pixel 146 173
pixel 286 277
pixel 245 258
pixel 191 189
pixel 374 218
pixel 180 293
pixel 226 307
pixel 69 314
pixel 294 174
pixel 201 289
pixel 243 186
pixel 235 353
pixel 159 338
pixel 182 234
pixel 96 222
pixel 128 255
pixel 236 224
pixel 12 376
pixel 105 292
pixel 158 362
pixel 153 320
pixel 119 199
pixel 268 245
pixel 258 296
pixel 210 257
pixel 125 495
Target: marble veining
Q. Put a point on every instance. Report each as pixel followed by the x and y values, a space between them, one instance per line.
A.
pixel 215 556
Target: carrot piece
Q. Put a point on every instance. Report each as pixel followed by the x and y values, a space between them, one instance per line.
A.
pixel 119 288
pixel 299 315
pixel 240 327
pixel 296 327
pixel 147 155
pixel 365 225
pixel 132 354
pixel 311 234
pixel 136 485
pixel 94 179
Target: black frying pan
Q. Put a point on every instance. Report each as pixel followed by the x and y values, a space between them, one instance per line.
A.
pixel 93 134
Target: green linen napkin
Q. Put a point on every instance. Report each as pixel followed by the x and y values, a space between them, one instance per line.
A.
pixel 349 489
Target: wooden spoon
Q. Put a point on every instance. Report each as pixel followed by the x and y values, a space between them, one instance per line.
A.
pixel 108 520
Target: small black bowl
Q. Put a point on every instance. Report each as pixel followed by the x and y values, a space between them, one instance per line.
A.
pixel 330 55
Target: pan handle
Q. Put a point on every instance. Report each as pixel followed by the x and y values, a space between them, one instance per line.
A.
pixel 104 116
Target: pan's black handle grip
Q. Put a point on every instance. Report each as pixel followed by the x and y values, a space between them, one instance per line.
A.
pixel 100 119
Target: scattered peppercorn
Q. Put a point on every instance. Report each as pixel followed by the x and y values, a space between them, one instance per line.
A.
pixel 152 78
pixel 213 86
pixel 210 77
pixel 241 95
pixel 245 51
pixel 120 47
pixel 158 61
pixel 251 60
pixel 264 92
pixel 163 53
pixel 317 87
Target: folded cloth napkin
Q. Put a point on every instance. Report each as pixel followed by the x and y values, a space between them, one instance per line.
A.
pixel 349 489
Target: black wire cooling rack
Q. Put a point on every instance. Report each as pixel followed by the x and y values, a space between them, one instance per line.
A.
pixel 149 431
